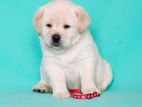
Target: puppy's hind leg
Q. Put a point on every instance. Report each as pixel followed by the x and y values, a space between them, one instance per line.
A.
pixel 41 87
pixel 104 75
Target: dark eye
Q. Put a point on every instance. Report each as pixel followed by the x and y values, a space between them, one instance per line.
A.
pixel 49 25
pixel 67 26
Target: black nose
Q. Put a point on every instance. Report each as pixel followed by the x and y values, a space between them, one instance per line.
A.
pixel 56 38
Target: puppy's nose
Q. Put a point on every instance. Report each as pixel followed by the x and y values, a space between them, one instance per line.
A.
pixel 56 38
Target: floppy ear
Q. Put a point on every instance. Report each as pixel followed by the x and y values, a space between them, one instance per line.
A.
pixel 82 19
pixel 37 20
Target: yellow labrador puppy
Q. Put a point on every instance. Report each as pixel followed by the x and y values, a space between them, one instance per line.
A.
pixel 70 57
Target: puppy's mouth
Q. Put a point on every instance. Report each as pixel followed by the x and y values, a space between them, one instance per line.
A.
pixel 56 44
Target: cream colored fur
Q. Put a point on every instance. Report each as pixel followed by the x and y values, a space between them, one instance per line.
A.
pixel 77 63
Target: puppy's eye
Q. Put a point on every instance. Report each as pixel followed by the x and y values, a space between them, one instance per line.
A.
pixel 49 25
pixel 67 26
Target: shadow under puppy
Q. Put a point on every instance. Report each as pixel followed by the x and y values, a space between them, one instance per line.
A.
pixel 70 57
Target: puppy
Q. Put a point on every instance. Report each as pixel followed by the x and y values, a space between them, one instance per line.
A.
pixel 70 57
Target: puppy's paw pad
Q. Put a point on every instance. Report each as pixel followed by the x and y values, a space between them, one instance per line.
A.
pixel 40 89
pixel 90 90
pixel 61 94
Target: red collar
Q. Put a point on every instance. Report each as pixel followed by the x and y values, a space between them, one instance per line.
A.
pixel 76 93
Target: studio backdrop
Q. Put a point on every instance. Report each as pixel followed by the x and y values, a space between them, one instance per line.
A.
pixel 116 26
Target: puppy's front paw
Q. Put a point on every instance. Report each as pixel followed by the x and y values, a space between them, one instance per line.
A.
pixel 40 88
pixel 61 94
pixel 90 90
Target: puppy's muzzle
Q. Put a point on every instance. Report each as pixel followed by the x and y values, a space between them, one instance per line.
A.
pixel 56 38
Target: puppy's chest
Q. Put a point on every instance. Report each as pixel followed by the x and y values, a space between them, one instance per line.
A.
pixel 73 68
pixel 72 73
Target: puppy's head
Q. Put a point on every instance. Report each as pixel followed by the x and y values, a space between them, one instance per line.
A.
pixel 59 23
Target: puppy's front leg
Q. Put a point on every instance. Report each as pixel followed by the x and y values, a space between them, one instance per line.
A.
pixel 57 81
pixel 41 87
pixel 88 77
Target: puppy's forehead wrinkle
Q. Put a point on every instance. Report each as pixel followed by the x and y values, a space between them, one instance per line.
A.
pixel 60 12
pixel 60 7
pixel 55 17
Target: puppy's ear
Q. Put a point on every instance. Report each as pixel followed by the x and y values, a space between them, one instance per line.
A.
pixel 37 20
pixel 82 19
